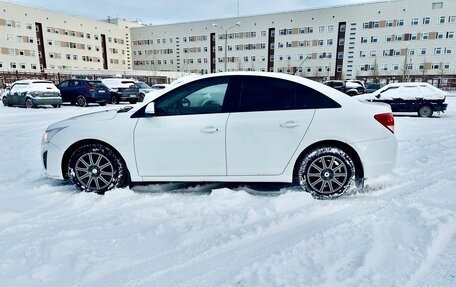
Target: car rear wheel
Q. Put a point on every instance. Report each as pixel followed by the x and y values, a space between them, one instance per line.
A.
pixel 56 106
pixel 133 102
pixel 97 168
pixel 425 111
pixel 81 101
pixel 103 103
pixel 29 104
pixel 326 172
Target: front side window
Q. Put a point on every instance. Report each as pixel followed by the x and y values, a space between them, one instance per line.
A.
pixel 200 97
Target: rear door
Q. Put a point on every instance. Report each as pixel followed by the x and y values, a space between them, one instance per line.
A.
pixel 262 136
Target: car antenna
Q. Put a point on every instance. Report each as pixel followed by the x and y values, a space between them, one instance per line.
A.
pixel 302 63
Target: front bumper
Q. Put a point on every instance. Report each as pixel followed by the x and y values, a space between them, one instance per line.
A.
pixel 439 107
pixel 51 156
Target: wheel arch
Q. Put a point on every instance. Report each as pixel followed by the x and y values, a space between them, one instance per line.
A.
pixel 333 143
pixel 72 148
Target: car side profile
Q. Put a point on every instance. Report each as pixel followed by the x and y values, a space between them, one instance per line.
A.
pixel 421 98
pixel 32 93
pixel 228 127
pixel 82 92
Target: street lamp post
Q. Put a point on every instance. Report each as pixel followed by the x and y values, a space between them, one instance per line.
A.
pixel 226 38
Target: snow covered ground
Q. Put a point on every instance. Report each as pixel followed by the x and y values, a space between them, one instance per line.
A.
pixel 400 231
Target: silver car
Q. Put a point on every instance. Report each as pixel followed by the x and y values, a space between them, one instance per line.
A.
pixel 32 93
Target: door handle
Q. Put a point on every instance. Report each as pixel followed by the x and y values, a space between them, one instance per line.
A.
pixel 209 130
pixel 290 124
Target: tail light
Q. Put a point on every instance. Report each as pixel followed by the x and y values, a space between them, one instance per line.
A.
pixel 387 120
pixel 89 89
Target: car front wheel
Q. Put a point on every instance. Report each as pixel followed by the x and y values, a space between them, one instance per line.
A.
pixel 5 101
pixel 326 172
pixel 425 111
pixel 114 100
pixel 97 168
pixel 81 100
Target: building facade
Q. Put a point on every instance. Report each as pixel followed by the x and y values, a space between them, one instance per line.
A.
pixel 35 39
pixel 387 39
pixel 396 39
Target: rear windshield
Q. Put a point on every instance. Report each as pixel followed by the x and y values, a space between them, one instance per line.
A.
pixel 97 84
pixel 43 86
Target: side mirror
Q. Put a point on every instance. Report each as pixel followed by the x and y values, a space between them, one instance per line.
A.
pixel 150 109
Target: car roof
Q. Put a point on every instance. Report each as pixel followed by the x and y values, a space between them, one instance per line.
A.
pixel 32 81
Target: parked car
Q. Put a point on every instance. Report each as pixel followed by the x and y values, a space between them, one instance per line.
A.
pixel 121 90
pixel 81 92
pixel 421 98
pixel 349 87
pixel 143 89
pixel 372 87
pixel 229 127
pixel 32 93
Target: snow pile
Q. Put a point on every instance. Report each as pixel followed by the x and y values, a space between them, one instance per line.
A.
pixel 400 231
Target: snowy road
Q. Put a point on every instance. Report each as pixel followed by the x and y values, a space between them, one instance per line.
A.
pixel 400 231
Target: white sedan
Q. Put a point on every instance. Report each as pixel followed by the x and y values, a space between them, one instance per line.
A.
pixel 228 127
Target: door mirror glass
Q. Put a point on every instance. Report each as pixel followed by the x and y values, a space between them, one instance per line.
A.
pixel 150 109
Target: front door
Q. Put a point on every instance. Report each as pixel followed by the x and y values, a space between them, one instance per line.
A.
pixel 186 136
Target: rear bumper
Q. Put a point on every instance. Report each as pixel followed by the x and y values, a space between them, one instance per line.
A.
pixel 378 156
pixel 46 101
pixel 439 107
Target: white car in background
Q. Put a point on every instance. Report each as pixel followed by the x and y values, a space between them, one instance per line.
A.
pixel 228 127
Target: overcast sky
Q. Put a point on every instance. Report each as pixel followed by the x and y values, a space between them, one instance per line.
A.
pixel 174 11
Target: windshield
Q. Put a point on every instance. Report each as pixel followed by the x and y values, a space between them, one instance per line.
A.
pixel 142 85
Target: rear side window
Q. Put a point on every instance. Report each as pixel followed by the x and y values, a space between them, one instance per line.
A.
pixel 63 84
pixel 97 84
pixel 308 98
pixel 265 94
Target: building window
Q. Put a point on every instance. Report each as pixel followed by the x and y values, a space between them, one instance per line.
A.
pixel 13 65
pixel 452 19
pixel 342 28
pixel 329 42
pixel 437 5
pixel 373 53
pixel 330 28
pixel 425 36
pixel 437 51
pixel 362 54
pixel 389 23
pixel 448 50
pixel 388 38
pixel 422 51
pixel 426 21
pixel 374 39
pixel 340 55
pixel 450 35
pixel 321 29
pixel 9 37
pixel 400 22
pixel 435 66
pixel 414 22
pixel 442 20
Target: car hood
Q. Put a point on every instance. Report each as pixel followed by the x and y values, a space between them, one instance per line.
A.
pixel 86 118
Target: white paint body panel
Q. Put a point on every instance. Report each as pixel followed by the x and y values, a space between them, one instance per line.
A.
pixel 245 147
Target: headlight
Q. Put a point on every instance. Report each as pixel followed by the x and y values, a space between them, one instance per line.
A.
pixel 48 135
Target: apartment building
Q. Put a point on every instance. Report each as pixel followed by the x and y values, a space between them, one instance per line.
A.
pixel 32 40
pixel 378 39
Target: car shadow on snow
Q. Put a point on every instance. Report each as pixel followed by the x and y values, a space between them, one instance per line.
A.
pixel 258 189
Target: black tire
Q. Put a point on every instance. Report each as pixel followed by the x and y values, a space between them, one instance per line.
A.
pixel 5 101
pixel 29 104
pixel 81 101
pixel 141 97
pixel 103 103
pixel 425 111
pixel 133 101
pixel 97 168
pixel 113 100
pixel 56 106
pixel 326 172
